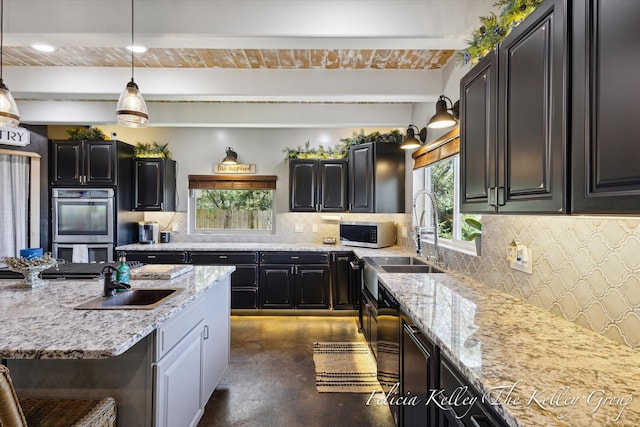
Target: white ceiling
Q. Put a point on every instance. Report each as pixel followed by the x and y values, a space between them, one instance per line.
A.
pixel 228 96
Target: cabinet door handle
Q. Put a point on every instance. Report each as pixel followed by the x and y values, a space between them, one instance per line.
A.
pixel 292 270
pixel 500 196
pixel 223 257
pixel 206 332
pixel 151 256
pixel 295 257
pixel 413 333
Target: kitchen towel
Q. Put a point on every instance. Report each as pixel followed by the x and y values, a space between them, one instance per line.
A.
pixel 80 253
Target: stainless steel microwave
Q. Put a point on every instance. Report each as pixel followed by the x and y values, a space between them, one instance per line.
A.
pixel 374 234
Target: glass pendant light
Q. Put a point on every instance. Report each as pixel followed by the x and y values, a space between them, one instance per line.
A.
pixel 132 110
pixel 9 114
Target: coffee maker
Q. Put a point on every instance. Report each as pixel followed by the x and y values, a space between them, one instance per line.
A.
pixel 148 232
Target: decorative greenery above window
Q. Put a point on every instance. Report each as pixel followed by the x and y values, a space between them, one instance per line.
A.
pixel 142 149
pixel 340 150
pixel 495 28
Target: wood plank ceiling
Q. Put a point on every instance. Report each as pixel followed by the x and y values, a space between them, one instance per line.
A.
pixel 328 59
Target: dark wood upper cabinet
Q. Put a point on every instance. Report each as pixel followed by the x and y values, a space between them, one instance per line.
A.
pixel 605 102
pixel 532 113
pixel 525 172
pixel 478 143
pixel 79 163
pixel 154 182
pixel 317 185
pixel 376 178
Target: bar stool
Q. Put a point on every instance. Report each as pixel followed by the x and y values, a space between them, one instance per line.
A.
pixel 16 412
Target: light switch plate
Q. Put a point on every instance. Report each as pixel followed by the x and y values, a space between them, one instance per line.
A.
pixel 299 228
pixel 314 228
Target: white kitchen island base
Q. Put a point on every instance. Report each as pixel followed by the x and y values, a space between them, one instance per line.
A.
pixel 164 380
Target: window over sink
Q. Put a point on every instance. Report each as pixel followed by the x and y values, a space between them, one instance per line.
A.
pixel 231 204
pixel 437 170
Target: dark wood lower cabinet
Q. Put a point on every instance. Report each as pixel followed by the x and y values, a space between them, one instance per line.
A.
pixel 270 280
pixel 418 370
pixel 295 286
pixel 244 281
pixel 476 414
pixel 345 287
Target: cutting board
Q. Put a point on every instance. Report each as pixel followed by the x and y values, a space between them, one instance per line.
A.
pixel 160 271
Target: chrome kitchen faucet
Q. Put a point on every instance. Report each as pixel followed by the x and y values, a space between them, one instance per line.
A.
pixel 420 230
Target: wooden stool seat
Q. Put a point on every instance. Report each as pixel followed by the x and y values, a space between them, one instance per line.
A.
pixel 27 412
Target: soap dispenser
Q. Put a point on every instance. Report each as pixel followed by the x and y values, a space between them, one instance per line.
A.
pixel 123 274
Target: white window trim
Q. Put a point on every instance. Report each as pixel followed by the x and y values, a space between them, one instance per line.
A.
pixel 455 244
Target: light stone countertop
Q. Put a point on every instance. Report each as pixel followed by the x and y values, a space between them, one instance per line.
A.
pixel 261 247
pixel 561 374
pixel 41 323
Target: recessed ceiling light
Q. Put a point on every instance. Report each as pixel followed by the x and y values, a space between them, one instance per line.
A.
pixel 137 49
pixel 43 47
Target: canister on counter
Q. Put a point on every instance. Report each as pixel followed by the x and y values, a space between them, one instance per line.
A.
pixel 165 236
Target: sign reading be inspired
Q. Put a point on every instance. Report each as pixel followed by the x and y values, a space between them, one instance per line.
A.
pixel 239 168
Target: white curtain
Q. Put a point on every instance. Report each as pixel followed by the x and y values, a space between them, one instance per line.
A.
pixel 14 204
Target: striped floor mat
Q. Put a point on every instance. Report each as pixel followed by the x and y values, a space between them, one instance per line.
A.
pixel 344 367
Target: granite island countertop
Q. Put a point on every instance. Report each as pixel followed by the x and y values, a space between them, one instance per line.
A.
pixel 552 372
pixel 41 323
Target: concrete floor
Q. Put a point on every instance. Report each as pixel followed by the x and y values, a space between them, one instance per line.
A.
pixel 270 380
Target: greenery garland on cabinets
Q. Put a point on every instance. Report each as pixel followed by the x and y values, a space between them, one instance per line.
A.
pixel 495 28
pixel 155 150
pixel 85 134
pixel 341 149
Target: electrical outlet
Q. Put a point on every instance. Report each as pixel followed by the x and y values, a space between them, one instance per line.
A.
pixel 404 231
pixel 299 228
pixel 175 227
pixel 314 228
pixel 523 261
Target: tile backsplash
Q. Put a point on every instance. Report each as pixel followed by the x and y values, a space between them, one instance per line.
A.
pixel 285 227
pixel 585 269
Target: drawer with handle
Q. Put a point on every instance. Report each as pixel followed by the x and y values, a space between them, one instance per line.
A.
pixel 158 257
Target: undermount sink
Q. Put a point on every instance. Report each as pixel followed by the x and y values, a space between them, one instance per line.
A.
pixel 424 268
pixel 133 299
pixel 397 260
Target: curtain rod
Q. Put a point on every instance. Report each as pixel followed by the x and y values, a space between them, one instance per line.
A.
pixel 20 153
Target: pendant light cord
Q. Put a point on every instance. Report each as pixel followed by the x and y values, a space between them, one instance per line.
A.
pixel 132 45
pixel 1 35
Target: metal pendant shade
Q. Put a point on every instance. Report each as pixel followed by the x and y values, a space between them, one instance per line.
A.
pixel 231 157
pixel 442 118
pixel 9 114
pixel 410 141
pixel 131 110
